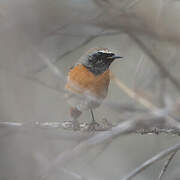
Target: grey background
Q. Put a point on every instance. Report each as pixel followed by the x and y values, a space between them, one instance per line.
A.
pixel 62 31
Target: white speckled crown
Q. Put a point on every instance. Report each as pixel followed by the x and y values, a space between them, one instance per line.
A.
pixel 104 51
pixel 91 51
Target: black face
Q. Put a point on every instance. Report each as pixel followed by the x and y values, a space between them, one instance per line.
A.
pixel 99 62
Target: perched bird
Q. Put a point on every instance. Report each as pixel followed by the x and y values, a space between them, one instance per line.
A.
pixel 87 83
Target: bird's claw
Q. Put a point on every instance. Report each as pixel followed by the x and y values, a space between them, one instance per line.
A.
pixel 94 126
pixel 71 125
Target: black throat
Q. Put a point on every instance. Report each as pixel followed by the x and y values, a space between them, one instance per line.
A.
pixel 97 70
pixel 98 62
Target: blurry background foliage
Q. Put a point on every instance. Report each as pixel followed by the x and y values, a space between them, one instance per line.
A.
pixel 146 33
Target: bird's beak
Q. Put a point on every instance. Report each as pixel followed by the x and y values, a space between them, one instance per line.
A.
pixel 116 57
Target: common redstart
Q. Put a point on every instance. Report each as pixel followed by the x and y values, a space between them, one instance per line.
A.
pixel 88 82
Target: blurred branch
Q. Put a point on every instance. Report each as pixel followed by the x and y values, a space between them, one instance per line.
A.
pixel 126 19
pixel 43 161
pixel 141 61
pixel 86 41
pixel 162 90
pixel 132 4
pixel 10 124
pixel 151 161
pixel 56 71
pixel 84 146
pixel 164 169
pixel 124 128
pixel 157 131
pixel 156 61
pixel 133 94
pixel 42 83
pixel 143 101
pixel 54 129
pixel 89 39
pixel 103 3
pixel 76 175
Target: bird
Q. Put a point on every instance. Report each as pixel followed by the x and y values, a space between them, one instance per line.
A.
pixel 87 84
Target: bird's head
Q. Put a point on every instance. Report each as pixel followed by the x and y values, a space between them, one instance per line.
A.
pixel 98 61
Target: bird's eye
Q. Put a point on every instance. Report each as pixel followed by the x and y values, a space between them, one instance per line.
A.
pixel 100 53
pixel 111 54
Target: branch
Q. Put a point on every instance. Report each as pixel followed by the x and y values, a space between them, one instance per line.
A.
pixel 151 161
pixel 146 103
pixel 124 128
pixel 155 60
pixel 133 94
pixel 164 169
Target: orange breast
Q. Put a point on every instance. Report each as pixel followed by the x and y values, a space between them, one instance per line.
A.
pixel 80 79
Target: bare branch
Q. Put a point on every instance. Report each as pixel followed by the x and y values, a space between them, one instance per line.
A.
pixel 151 161
pixel 164 169
pixel 156 61
pixel 127 127
pixel 131 4
pixel 84 146
pixel 89 39
pixel 52 67
pixel 43 161
pixel 146 103
pixel 133 94
pixel 141 60
pixel 86 41
pixel 11 124
pixel 162 90
pixel 75 175
pixel 157 131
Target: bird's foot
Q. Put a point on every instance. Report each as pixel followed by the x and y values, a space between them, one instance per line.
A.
pixel 71 125
pixel 94 126
pixel 106 124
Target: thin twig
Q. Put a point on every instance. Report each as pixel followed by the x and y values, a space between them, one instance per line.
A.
pixel 162 90
pixel 143 101
pixel 43 160
pixel 124 128
pixel 52 67
pixel 84 146
pixel 156 61
pixel 151 161
pixel 131 4
pixel 133 94
pixel 164 169
pixel 86 41
pixel 89 39
pixel 157 131
pixel 141 60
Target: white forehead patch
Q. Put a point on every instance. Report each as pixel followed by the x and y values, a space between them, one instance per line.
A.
pixel 105 51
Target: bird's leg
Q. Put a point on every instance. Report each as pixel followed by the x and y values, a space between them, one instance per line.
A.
pixel 73 122
pixel 93 125
pixel 92 115
pixel 75 113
